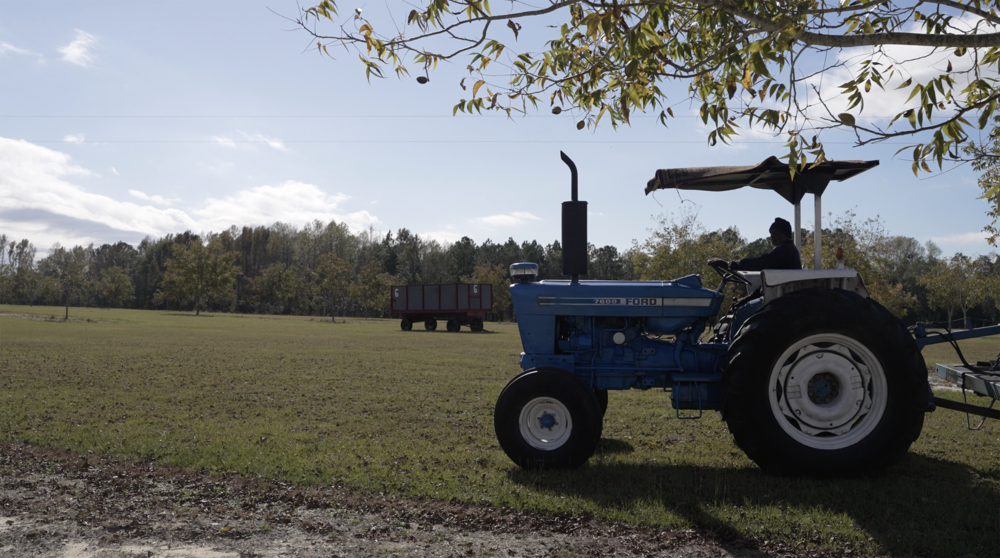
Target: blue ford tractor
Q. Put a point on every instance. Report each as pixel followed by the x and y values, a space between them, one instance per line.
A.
pixel 811 376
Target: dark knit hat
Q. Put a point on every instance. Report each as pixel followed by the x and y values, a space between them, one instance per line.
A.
pixel 781 226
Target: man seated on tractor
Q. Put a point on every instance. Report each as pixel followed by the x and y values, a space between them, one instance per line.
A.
pixel 784 256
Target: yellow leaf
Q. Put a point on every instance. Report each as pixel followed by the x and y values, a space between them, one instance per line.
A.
pixel 475 88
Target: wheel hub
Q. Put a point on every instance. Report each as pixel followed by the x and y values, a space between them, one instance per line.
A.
pixel 827 391
pixel 823 388
pixel 545 423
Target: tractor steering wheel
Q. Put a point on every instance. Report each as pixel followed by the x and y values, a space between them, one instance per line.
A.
pixel 722 268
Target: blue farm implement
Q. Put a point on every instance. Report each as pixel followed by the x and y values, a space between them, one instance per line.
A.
pixel 810 375
pixel 458 303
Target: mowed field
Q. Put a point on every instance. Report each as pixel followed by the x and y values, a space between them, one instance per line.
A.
pixel 361 404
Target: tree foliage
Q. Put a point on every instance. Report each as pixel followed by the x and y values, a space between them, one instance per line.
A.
pixel 956 284
pixel 116 287
pixel 743 63
pixel 197 272
pixel 68 267
pixel 322 269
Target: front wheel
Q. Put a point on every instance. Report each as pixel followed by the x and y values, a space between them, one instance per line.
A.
pixel 430 324
pixel 453 325
pixel 477 324
pixel 826 382
pixel 547 418
pixel 405 324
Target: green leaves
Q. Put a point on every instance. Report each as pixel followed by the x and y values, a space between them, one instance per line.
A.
pixel 745 64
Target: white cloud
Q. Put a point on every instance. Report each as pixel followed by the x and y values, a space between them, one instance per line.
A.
pixel 74 138
pixel 916 62
pixel 290 202
pixel 450 237
pixel 255 137
pixel 79 50
pixel 34 190
pixel 962 238
pixel 7 48
pixel 160 200
pixel 259 137
pixel 507 220
pixel 38 201
pixel 225 142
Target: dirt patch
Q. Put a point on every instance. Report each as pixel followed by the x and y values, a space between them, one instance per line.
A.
pixel 49 318
pixel 939 383
pixel 59 504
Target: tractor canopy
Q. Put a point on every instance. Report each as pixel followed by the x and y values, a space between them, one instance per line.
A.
pixel 771 174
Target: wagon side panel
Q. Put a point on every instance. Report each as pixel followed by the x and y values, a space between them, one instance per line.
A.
pixel 415 298
pixel 399 298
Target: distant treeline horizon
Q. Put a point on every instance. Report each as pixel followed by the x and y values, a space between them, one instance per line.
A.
pixel 325 269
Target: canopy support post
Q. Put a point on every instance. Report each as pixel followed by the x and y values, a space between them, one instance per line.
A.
pixel 818 234
pixel 798 226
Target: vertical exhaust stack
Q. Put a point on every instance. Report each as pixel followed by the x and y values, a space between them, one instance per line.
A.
pixel 574 230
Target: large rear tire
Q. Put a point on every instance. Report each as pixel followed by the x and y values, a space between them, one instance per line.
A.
pixel 824 382
pixel 548 419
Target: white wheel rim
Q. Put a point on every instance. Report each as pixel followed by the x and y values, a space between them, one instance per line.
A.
pixel 828 391
pixel 545 423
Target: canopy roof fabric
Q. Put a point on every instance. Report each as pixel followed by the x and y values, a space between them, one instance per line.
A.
pixel 771 174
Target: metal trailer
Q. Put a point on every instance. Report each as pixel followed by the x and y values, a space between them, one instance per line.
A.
pixel 981 378
pixel 810 375
pixel 459 304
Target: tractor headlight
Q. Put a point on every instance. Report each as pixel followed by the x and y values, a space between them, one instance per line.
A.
pixel 524 272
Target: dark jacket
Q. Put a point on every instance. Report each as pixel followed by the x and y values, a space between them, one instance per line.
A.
pixel 784 256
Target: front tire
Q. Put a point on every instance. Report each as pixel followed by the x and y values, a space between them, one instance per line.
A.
pixel 477 324
pixel 824 382
pixel 547 419
pixel 430 324
pixel 453 325
pixel 405 324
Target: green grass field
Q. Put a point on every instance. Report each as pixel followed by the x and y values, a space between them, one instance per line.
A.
pixel 373 408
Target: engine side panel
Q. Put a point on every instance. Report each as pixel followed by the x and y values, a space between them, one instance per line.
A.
pixel 624 335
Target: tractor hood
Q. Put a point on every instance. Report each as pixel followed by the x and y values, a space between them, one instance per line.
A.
pixel 771 174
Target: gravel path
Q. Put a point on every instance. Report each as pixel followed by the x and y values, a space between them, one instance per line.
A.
pixel 56 504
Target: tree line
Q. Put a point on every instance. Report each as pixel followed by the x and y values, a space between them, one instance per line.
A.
pixel 320 269
pixel 327 270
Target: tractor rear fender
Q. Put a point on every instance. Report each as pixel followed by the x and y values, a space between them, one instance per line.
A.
pixel 775 283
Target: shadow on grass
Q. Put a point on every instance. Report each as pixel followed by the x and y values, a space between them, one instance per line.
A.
pixel 463 332
pixel 608 446
pixel 923 506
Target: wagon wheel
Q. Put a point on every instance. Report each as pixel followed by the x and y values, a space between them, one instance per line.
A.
pixel 430 324
pixel 453 325
pixel 405 324
pixel 477 324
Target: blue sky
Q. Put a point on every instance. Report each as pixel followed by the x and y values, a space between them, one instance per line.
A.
pixel 122 119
